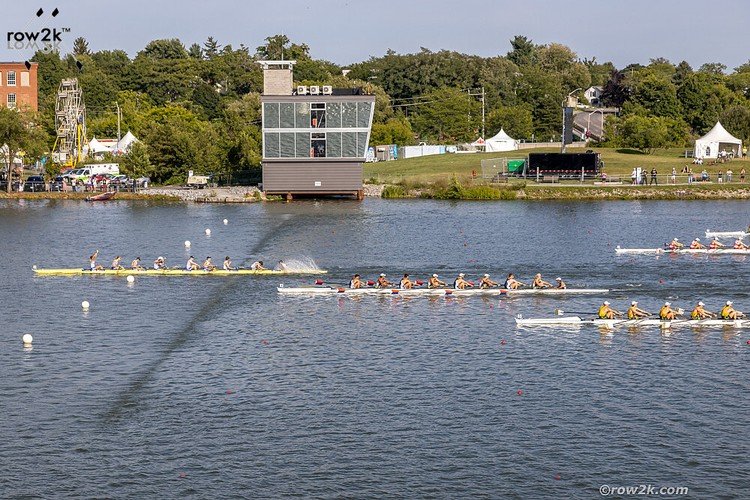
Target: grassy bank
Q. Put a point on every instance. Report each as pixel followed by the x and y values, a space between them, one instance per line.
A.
pixel 617 163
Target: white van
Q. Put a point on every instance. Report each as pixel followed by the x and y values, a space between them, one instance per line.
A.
pixel 103 168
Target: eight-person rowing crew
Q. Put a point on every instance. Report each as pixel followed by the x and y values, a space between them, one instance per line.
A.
pixel 715 244
pixel 460 283
pixel 191 265
pixel 667 313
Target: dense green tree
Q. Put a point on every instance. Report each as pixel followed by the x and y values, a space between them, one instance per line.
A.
pixel 447 114
pixel 644 133
pixel 14 137
pixel 713 68
pixel 280 47
pixel 211 47
pixel 136 162
pixel 196 52
pixel 517 121
pixel 164 49
pixel 81 46
pixel 656 93
pixel 394 131
pixel 523 51
pixel 703 98
pixel 736 119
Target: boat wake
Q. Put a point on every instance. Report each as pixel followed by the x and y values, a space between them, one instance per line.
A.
pixel 301 265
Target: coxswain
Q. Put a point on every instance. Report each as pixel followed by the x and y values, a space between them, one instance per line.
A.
pixel 460 283
pixel 208 265
pixel 355 282
pixel 716 244
pixel 700 312
pixel 511 283
pixel 92 262
pixel 539 282
pixel 135 265
pixel 116 263
pixel 257 266
pixel 486 282
pixel 667 313
pixel 634 312
pixel 227 266
pixel 434 282
pixel 382 282
pixel 560 283
pixel 606 312
pixel 281 266
pixel 728 312
pixel 697 245
pixel 191 264
pixel 160 263
pixel 675 245
pixel 406 283
pixel 739 245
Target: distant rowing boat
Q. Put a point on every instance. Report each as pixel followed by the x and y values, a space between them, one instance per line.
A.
pixel 171 272
pixel 330 290
pixel 611 323
pixel 659 251
pixel 726 234
pixel 102 197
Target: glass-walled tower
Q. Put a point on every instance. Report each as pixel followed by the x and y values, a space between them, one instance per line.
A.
pixel 314 138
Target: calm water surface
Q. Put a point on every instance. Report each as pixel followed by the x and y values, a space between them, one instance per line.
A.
pixel 210 387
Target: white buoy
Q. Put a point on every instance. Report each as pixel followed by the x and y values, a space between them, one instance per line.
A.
pixel 226 222
pixel 187 243
pixel 208 232
pixel 130 278
pixel 27 340
pixel 85 305
pixel 33 267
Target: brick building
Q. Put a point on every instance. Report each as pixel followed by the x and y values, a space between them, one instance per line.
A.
pixel 18 85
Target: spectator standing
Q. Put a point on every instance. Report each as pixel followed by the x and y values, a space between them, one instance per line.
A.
pixel 720 176
pixel 742 175
pixel 653 176
pixel 729 175
pixel 674 175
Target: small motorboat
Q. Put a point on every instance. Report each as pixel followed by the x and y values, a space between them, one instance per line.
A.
pixel 103 196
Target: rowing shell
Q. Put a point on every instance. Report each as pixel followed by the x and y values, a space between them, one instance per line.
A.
pixel 611 323
pixel 168 272
pixel 659 251
pixel 329 290
pixel 725 234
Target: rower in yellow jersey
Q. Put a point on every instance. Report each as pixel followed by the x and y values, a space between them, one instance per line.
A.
pixel 355 282
pixel 406 283
pixel 208 265
pixel 666 312
pixel 697 245
pixel 434 282
pixel 460 283
pixel 634 312
pixel 486 282
pixel 728 312
pixel 560 284
pixel 606 312
pixel 716 244
pixel 539 282
pixel 700 312
pixel 382 282
pixel 739 245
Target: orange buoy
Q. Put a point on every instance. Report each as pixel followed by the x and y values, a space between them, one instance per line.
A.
pixel 519 392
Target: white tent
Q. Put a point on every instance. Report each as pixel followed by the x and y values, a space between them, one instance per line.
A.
pixel 97 147
pixel 478 144
pixel 716 141
pixel 501 142
pixel 125 143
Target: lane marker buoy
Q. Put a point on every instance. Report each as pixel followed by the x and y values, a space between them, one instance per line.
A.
pixel 208 232
pixel 27 340
pixel 130 278
pixel 85 305
pixel 226 222
pixel 187 243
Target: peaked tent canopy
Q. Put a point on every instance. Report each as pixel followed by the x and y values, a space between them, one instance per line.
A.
pixel 716 141
pixel 127 140
pixel 501 142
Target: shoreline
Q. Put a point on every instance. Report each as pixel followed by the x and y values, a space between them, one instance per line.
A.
pixel 511 192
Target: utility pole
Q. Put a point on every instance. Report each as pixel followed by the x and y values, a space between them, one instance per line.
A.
pixel 480 93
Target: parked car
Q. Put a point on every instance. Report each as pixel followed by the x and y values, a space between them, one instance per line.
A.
pixel 121 181
pixel 98 178
pixel 143 182
pixel 56 184
pixel 35 183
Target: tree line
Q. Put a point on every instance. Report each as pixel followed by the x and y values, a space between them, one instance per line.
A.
pixel 198 107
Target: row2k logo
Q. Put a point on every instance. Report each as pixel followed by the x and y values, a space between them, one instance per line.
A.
pixel 45 39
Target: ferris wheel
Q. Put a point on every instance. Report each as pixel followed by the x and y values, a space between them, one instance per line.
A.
pixel 70 124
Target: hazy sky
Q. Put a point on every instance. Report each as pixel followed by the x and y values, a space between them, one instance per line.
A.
pixel 345 31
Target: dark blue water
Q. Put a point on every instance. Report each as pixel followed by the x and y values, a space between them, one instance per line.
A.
pixel 210 387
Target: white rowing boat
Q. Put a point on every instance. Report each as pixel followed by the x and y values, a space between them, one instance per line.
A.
pixel 332 290
pixel 726 234
pixel 611 323
pixel 659 251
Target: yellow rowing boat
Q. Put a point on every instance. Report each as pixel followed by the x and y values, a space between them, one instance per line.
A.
pixel 171 272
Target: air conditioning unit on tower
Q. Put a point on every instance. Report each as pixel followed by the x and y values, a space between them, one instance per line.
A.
pixel 314 90
pixel 301 89
pixel 327 90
